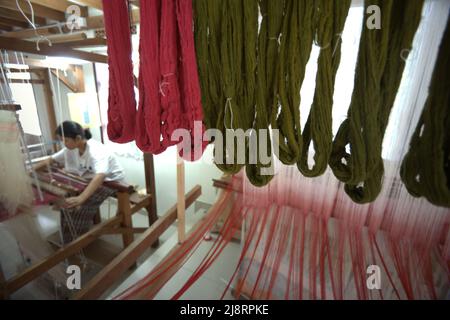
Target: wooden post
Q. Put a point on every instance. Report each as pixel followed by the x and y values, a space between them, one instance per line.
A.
pixel 150 186
pixel 98 217
pixel 44 75
pixel 98 103
pixel 181 205
pixel 149 168
pixel 124 209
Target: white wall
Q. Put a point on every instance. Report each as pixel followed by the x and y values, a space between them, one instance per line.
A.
pixel 200 172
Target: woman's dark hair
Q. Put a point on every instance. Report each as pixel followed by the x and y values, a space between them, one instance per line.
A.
pixel 72 129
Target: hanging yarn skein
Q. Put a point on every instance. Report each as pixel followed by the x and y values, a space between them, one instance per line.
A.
pixel 230 116
pixel 377 78
pixel 121 100
pixel 192 111
pixel 295 49
pixel 329 20
pixel 425 169
pixel 225 35
pixel 267 85
pixel 207 19
pixel 169 88
pixel 148 120
pixel 169 91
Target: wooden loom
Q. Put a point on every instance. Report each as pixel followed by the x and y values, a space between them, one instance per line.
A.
pixel 60 184
pixel 129 202
pixel 22 41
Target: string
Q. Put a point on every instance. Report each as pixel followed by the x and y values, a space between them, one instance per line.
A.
pixel 31 22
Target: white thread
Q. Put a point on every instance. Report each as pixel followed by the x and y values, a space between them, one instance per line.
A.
pixel 33 25
pixel 228 106
pixel 163 83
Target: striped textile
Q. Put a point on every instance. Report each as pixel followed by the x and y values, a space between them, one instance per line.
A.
pixel 80 219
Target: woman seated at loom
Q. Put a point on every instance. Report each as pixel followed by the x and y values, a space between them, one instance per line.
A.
pixel 89 159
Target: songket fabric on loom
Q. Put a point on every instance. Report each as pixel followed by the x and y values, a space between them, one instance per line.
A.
pixel 77 221
pixel 15 186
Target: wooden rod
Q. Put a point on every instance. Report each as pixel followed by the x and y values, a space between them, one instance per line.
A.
pixel 181 206
pixel 10 107
pixel 124 211
pixel 49 103
pixel 31 81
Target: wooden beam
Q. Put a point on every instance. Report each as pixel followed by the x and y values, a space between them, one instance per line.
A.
pixel 91 42
pixel 74 86
pixel 14 70
pixel 45 49
pixel 141 205
pixel 79 76
pixel 32 33
pixel 32 81
pixel 97 4
pixel 13 23
pixel 34 65
pixel 60 5
pixel 181 209
pixel 50 107
pixel 98 22
pixel 124 211
pixel 6 27
pixel 150 186
pixel 72 248
pixel 123 230
pixel 39 11
pixel 15 15
pixel 105 278
pixel 65 80
pixel 67 37
pixel 10 107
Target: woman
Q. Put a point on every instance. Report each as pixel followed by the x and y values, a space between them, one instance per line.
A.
pixel 89 159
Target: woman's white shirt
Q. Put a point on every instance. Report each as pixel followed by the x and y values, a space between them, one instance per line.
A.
pixel 95 159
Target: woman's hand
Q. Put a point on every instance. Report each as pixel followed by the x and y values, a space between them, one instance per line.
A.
pixel 95 183
pixel 74 202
